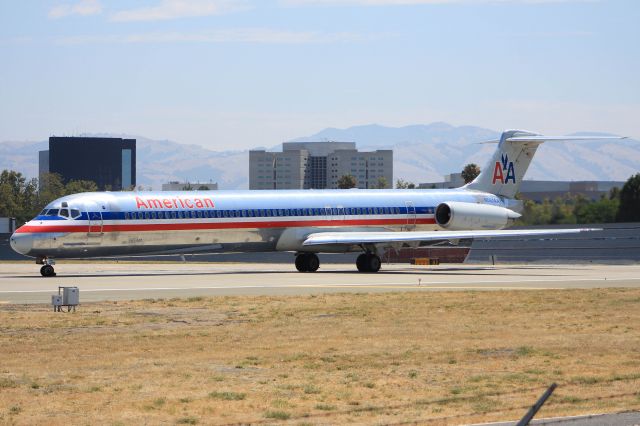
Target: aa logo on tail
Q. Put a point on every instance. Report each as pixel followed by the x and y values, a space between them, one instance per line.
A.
pixel 504 171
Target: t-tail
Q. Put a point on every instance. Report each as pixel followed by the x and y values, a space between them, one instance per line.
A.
pixel 503 174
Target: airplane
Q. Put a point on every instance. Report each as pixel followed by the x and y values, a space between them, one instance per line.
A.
pixel 306 222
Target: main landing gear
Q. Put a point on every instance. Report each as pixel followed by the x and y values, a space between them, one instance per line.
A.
pixel 47 267
pixel 307 262
pixel 368 262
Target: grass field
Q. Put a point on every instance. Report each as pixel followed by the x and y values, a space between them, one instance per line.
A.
pixel 433 358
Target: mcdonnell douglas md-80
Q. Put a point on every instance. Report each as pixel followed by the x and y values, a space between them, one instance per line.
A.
pixel 103 224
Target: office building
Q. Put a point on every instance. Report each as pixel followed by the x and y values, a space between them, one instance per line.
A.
pixel 318 165
pixel 109 162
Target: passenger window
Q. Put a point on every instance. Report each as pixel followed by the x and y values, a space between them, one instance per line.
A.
pixel 244 213
pixel 153 215
pixel 199 214
pixel 126 215
pixel 64 212
pixel 146 215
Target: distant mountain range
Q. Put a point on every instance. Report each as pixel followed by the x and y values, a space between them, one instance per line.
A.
pixel 422 153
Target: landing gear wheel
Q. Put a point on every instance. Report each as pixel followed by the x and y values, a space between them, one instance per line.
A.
pixel 313 263
pixel 47 271
pixel 307 262
pixel 300 263
pixel 373 263
pixel 368 262
pixel 361 263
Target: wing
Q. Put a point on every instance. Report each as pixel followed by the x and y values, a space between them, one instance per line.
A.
pixel 355 238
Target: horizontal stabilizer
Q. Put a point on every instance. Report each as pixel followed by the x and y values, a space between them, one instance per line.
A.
pixel 561 138
pixel 541 138
pixel 388 237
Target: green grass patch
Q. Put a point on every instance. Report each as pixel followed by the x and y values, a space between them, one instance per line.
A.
pixel 277 414
pixel 187 421
pixel 228 396
pixel 325 407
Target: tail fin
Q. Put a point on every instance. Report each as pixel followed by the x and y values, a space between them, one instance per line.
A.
pixel 503 174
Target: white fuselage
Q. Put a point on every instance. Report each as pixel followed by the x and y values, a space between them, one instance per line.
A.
pixel 132 223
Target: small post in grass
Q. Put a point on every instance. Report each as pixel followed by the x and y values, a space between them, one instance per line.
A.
pixel 537 406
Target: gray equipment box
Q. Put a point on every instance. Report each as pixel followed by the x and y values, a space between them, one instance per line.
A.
pixel 70 296
pixel 56 300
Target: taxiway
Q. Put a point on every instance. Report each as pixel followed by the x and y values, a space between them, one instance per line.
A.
pixel 22 283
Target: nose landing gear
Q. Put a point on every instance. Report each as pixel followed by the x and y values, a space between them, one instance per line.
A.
pixel 47 271
pixel 47 268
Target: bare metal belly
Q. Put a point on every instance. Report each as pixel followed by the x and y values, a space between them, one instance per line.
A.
pixel 83 245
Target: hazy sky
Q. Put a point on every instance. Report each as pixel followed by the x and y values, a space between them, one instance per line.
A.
pixel 235 74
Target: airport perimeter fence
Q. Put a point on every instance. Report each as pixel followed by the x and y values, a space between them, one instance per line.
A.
pixel 616 243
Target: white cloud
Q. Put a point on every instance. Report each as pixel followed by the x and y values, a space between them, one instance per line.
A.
pixel 83 8
pixel 416 2
pixel 174 9
pixel 240 35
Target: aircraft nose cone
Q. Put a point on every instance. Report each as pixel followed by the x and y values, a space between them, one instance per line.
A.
pixel 21 243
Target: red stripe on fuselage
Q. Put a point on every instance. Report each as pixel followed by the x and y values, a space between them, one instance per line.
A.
pixel 215 225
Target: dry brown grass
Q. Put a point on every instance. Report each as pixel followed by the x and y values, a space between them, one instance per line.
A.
pixel 346 358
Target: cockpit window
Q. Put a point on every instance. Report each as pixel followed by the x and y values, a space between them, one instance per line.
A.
pixel 52 212
pixel 64 212
pixel 75 213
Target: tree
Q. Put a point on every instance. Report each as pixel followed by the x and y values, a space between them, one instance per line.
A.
pixel 347 181
pixel 470 172
pixel 381 183
pixel 402 184
pixel 18 197
pixel 76 186
pixel 23 199
pixel 629 210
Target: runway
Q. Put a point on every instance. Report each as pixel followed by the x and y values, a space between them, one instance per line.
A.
pixel 22 283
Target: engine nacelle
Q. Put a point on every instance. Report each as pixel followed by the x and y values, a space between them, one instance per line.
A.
pixel 459 216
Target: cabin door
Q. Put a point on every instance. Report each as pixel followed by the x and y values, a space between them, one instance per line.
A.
pixel 411 215
pixel 95 224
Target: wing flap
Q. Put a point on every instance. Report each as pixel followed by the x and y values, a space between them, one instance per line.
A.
pixel 355 238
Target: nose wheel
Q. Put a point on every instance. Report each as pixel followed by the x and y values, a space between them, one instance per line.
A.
pixel 307 262
pixel 368 262
pixel 47 271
